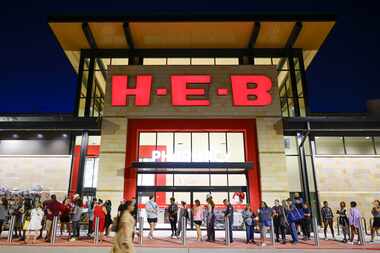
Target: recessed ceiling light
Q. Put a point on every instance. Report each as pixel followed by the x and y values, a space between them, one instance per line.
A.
pixel 368 137
pixel 40 136
pixel 64 135
pixel 15 136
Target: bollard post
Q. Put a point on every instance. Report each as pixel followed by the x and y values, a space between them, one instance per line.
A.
pixel 96 237
pixel 184 229
pixel 227 230
pixel 53 230
pixel 362 233
pixel 141 229
pixel 272 237
pixel 11 228
pixel 316 232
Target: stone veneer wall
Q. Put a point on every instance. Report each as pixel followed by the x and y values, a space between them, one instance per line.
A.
pixel 24 172
pixel 273 171
pixel 349 179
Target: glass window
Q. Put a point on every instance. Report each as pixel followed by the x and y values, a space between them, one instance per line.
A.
pixel 377 145
pixel 227 61
pixel 178 61
pixel 290 145
pixel 263 61
pixel 154 61
pixel 164 147
pixel 329 145
pixel 294 179
pixel 119 61
pixel 147 144
pixel 218 147
pixel 91 169
pixel 182 147
pixel 199 151
pixel 237 180
pixel 145 179
pixel 359 145
pixel 202 61
pixel 219 179
pixel 235 147
pixel 191 180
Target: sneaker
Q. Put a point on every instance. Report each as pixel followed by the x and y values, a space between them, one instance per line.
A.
pixel 72 239
pixel 326 239
pixel 263 244
pixel 352 243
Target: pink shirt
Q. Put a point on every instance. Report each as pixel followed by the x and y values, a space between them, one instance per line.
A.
pixel 198 213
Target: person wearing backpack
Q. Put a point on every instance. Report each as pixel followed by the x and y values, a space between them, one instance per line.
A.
pixel 328 219
pixel 293 216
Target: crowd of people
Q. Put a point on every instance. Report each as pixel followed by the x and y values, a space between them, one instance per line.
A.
pixel 291 216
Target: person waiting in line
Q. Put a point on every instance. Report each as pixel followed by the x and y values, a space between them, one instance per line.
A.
pixel 75 219
pixel 210 219
pixel 108 222
pixel 65 216
pixel 279 221
pixel 125 225
pixel 327 219
pixel 306 222
pixel 343 220
pixel 229 214
pixel 298 202
pixel 35 225
pixel 173 216
pixel 183 213
pixel 265 220
pixel 26 211
pixel 100 214
pixel 90 217
pixel 249 222
pixel 354 220
pixel 53 209
pixel 376 219
pixel 3 213
pixel 292 216
pixel 151 209
pixel 198 218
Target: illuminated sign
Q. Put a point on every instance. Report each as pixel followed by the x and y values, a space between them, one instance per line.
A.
pixel 158 155
pixel 192 90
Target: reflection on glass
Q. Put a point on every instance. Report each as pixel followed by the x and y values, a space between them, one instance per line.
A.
pixel 359 145
pixel 329 145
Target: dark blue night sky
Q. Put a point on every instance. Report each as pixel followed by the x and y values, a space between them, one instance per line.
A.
pixel 37 78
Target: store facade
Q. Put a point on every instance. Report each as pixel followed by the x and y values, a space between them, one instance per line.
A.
pixel 187 106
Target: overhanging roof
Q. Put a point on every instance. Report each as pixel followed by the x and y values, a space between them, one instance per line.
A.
pixel 195 31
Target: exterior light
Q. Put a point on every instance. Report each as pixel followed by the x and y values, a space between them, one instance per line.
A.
pixel 64 135
pixel 15 136
pixel 39 136
pixel 368 137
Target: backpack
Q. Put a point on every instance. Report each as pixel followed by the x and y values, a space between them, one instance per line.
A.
pixel 294 215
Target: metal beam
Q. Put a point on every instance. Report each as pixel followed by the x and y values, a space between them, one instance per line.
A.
pixel 193 165
pixel 128 35
pixel 254 35
pixel 294 34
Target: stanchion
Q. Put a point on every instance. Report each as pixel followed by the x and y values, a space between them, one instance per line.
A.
pixel 227 230
pixel 11 228
pixel 141 229
pixel 272 237
pixel 184 230
pixel 96 237
pixel 53 230
pixel 316 232
pixel 362 233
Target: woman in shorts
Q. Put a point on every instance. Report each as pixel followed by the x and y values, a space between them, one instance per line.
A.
pixel 198 218
pixel 376 219
pixel 151 209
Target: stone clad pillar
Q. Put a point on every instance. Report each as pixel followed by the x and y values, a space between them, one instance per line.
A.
pixel 273 171
pixel 112 160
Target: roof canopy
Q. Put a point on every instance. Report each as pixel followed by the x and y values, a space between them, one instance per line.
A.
pixel 229 31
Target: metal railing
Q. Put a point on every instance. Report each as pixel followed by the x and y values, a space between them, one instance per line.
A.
pixel 11 228
pixel 316 232
pixel 96 237
pixel 227 231
pixel 184 230
pixel 272 237
pixel 141 229
pixel 53 229
pixel 362 232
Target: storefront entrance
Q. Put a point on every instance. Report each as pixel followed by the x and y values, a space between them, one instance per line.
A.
pixel 191 159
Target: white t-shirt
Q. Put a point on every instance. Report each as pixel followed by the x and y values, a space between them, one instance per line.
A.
pixel 36 216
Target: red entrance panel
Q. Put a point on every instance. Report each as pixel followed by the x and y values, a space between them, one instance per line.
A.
pixel 248 126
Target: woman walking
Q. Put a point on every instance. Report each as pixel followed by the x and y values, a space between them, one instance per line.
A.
pixel 123 241
pixel 210 219
pixel 376 219
pixel 249 223
pixel 198 218
pixel 151 209
pixel 354 220
pixel 343 221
